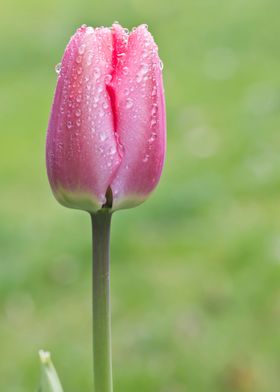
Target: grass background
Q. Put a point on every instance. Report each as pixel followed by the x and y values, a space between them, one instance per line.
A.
pixel 196 269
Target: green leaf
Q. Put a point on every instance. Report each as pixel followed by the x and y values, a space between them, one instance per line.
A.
pixel 50 381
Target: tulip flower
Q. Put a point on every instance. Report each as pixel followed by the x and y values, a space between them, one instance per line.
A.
pixel 106 145
pixel 106 135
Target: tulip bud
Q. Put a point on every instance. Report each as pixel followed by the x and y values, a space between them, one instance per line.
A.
pixel 106 134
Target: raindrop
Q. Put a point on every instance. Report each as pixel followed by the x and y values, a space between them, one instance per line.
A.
pixel 69 124
pixel 153 137
pixel 78 59
pixel 81 49
pixel 89 57
pixel 146 158
pixel 154 91
pixel 154 109
pixel 96 72
pixel 79 98
pixel 153 122
pixel 78 112
pixel 138 77
pixel 105 105
pixel 160 64
pixel 58 68
pixel 107 79
pixel 78 122
pixel 144 68
pixel 126 91
pixel 129 103
pixel 103 137
pixel 79 70
pixel 125 70
pixel 112 150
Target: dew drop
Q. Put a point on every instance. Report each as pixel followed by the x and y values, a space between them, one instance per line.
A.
pixel 78 112
pixel 96 72
pixel 153 122
pixel 105 105
pixel 79 70
pixel 154 109
pixel 78 122
pixel 146 158
pixel 125 70
pixel 112 150
pixel 139 78
pixel 81 49
pixel 89 57
pixel 160 64
pixel 58 68
pixel 103 137
pixel 129 103
pixel 107 79
pixel 154 91
pixel 153 137
pixel 79 98
pixel 78 59
pixel 126 91
pixel 69 124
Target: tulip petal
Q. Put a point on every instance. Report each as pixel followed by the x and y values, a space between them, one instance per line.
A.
pixel 82 153
pixel 140 113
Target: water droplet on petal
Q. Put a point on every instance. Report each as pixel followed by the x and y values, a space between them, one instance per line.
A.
pixel 105 105
pixel 79 98
pixel 81 49
pixel 146 158
pixel 58 68
pixel 89 57
pixel 78 59
pixel 78 112
pixel 153 122
pixel 125 70
pixel 103 136
pixel 96 72
pixel 154 109
pixel 160 64
pixel 112 150
pixel 107 79
pixel 154 91
pixel 138 77
pixel 129 103
pixel 69 124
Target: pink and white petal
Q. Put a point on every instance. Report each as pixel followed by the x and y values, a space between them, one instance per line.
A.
pixel 82 157
pixel 141 124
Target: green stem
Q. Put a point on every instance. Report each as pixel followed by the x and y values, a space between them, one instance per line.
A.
pixel 102 356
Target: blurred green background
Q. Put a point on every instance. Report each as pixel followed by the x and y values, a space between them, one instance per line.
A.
pixel 196 269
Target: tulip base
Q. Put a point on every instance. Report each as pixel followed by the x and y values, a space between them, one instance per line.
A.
pixel 102 357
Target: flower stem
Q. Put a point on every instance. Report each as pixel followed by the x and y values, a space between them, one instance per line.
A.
pixel 102 355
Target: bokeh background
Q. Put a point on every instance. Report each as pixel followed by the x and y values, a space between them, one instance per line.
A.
pixel 196 269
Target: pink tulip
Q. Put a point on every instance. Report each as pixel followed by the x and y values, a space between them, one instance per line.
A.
pixel 106 134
